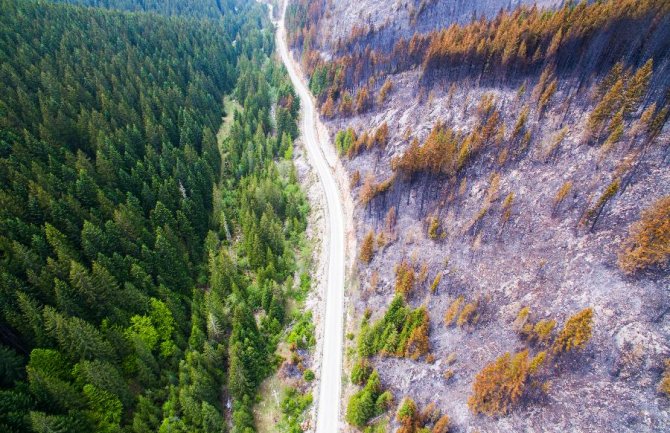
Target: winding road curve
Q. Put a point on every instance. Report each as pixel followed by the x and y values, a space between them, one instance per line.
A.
pixel 331 365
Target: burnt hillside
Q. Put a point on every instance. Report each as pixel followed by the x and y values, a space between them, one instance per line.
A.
pixel 511 174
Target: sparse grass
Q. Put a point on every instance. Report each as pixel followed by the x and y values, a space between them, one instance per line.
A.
pixel 269 405
pixel 229 107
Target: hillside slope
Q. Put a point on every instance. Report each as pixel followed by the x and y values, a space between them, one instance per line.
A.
pixel 512 180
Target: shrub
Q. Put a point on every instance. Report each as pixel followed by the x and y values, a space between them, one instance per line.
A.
pixel 537 362
pixel 648 241
pixel 453 310
pixel 594 212
pixel 384 91
pixel 434 228
pixel 308 375
pixel 362 99
pixel 381 136
pixel 293 406
pixel 367 248
pixel 468 315
pixel 542 331
pixel 384 402
pixel 363 405
pixel 394 334
pixel 407 412
pixel 562 193
pixel 404 278
pixel 418 343
pixel 361 371
pixel 664 384
pixel 576 332
pixel 355 179
pixel 302 332
pixel 436 282
pixel 500 384
pixel 442 425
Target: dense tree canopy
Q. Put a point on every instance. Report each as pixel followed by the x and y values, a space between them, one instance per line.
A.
pixel 144 262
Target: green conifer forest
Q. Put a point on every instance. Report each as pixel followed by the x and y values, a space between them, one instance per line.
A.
pixel 146 261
